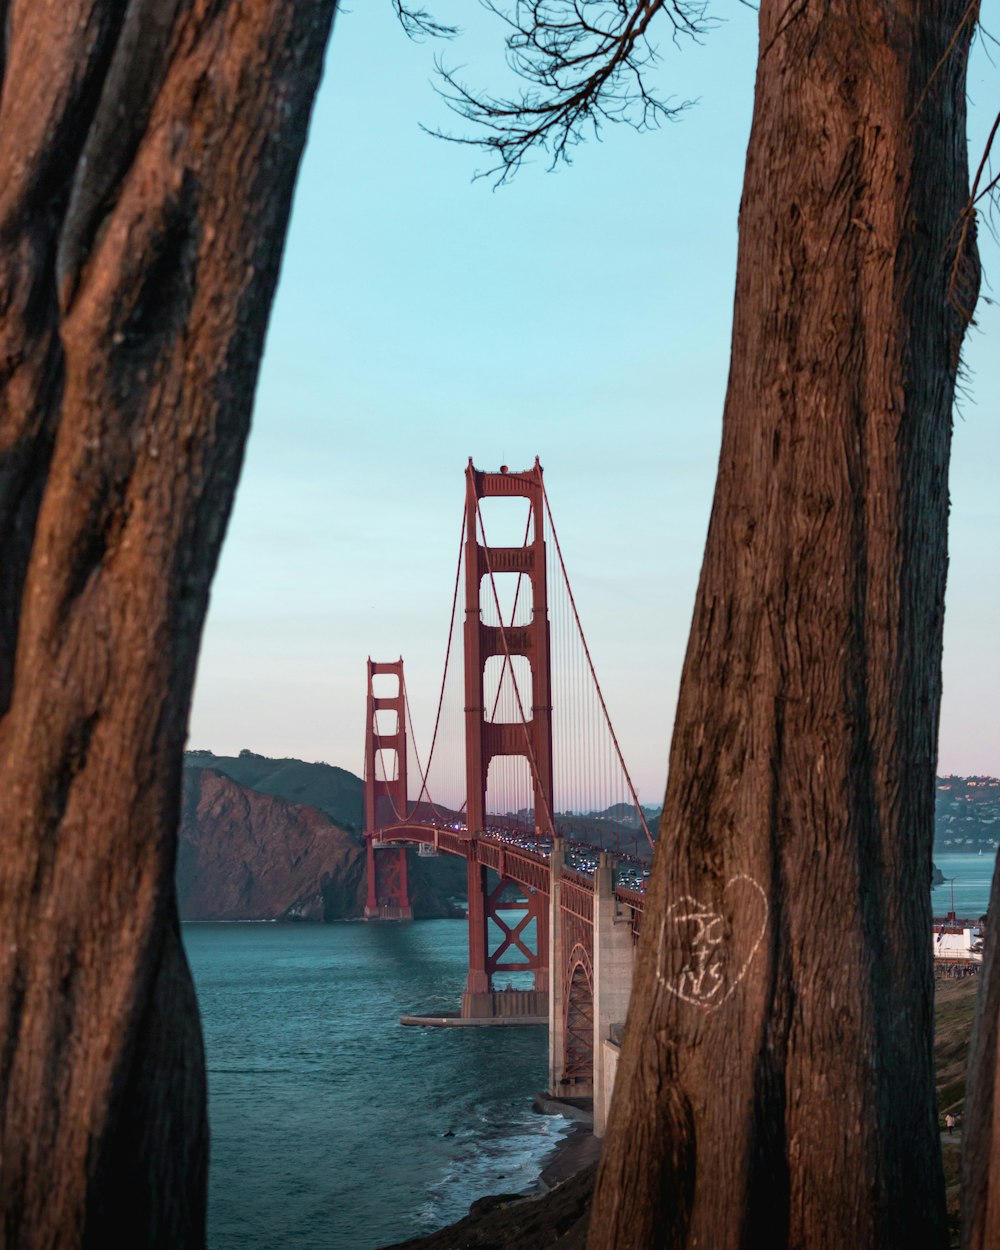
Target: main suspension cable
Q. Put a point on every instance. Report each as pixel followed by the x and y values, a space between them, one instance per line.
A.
pixel 444 678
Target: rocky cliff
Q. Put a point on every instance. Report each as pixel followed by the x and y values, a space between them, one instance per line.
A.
pixel 333 790
pixel 250 856
pixel 245 855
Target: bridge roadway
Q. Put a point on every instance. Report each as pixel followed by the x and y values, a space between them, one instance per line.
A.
pixel 508 859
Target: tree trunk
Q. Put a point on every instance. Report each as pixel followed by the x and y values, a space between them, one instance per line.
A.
pixel 776 1086
pixel 150 150
pixel 981 1125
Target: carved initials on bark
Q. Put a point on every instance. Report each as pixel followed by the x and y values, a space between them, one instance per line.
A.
pixel 705 950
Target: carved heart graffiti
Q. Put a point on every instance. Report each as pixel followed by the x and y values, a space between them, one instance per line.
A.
pixel 714 946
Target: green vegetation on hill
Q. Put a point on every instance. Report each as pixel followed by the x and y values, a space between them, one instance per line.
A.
pixel 333 790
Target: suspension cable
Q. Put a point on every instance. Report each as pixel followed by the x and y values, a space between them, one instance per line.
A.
pixel 424 774
pixel 593 672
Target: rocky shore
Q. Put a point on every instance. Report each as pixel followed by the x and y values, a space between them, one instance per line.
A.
pixel 578 1150
pixel 555 1216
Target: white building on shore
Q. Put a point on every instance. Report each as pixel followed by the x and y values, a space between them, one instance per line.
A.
pixel 958 941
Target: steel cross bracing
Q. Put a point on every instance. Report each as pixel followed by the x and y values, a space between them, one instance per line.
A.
pixel 510 884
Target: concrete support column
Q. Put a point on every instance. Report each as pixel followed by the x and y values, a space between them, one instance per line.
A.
pixel 614 954
pixel 557 969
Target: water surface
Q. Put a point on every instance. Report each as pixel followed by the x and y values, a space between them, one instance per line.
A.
pixel 973 875
pixel 333 1127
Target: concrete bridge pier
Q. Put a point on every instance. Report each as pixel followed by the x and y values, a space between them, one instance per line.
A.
pixel 612 959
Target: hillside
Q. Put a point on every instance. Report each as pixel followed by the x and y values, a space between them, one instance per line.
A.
pixel 250 848
pixel 335 791
pixel 249 856
pixel 241 858
pixel 967 813
pixel 954 1005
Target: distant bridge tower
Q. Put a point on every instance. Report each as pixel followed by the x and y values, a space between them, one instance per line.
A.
pixel 487 739
pixel 385 798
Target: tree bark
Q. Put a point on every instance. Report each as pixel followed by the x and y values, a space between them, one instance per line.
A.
pixel 776 1083
pixel 981 1117
pixel 149 153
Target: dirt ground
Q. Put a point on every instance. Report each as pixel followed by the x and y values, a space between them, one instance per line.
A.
pixel 954 1003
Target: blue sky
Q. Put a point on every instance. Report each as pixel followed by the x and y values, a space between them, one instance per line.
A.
pixel 582 316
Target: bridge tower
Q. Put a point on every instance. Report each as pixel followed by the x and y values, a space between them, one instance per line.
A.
pixel 385 799
pixel 486 739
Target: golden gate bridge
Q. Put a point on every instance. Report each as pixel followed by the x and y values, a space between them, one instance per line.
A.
pixel 524 780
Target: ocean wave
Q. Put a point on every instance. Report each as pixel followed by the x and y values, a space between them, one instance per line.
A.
pixel 486 1164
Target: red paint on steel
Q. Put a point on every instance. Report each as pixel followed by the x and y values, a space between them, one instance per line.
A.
pixel 632 904
pixel 495 842
pixel 578 1009
pixel 477 979
pixel 532 739
pixel 385 800
pixel 487 739
pixel 511 900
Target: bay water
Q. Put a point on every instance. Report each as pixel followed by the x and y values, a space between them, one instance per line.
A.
pixel 971 875
pixel 333 1126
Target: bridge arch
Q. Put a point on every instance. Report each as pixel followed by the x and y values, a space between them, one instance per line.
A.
pixel 578 1013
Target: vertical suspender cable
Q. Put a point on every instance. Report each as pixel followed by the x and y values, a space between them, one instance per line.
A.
pixel 437 719
pixel 590 663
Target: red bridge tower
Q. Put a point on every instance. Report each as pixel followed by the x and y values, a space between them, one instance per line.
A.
pixel 486 739
pixel 385 798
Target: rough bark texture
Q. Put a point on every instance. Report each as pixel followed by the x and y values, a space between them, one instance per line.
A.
pixel 981 1136
pixel 149 153
pixel 776 1086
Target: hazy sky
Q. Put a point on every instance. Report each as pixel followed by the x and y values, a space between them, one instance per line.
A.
pixel 582 316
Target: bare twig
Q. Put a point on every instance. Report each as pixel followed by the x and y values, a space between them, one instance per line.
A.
pixel 585 61
pixel 970 15
pixel 975 194
pixel 419 24
pixel 966 223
